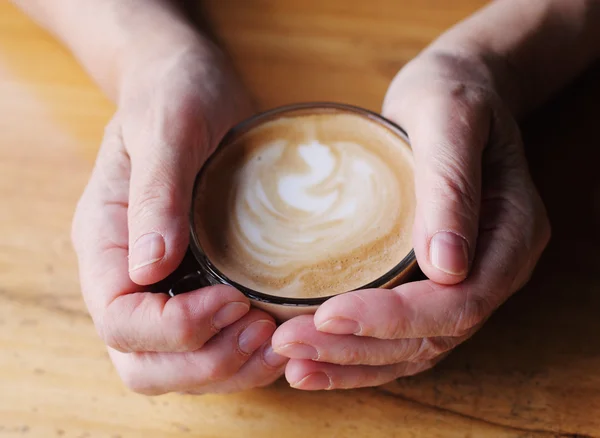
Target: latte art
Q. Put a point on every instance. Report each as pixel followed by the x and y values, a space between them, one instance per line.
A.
pixel 307 206
pixel 280 217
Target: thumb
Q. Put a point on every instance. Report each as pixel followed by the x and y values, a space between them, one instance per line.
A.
pixel 448 132
pixel 164 161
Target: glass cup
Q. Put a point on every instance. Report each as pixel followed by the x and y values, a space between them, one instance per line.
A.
pixel 284 308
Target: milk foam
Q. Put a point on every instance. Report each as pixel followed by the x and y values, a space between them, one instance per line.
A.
pixel 313 210
pixel 295 189
pixel 308 206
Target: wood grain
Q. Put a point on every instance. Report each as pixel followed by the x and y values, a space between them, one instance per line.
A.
pixel 533 371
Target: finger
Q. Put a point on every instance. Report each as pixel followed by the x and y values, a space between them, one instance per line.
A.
pixel 512 212
pixel 166 153
pixel 99 231
pixel 217 361
pixel 263 368
pixel 311 376
pixel 147 322
pixel 508 247
pixel 416 310
pixel 448 129
pixel 126 318
pixel 299 339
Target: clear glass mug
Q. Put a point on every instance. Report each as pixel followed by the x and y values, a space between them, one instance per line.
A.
pixel 284 308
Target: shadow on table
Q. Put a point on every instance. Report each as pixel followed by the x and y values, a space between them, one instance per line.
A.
pixel 536 364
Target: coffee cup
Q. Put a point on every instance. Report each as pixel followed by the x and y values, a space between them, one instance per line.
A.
pixel 302 203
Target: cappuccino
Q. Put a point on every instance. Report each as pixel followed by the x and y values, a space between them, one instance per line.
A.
pixel 307 204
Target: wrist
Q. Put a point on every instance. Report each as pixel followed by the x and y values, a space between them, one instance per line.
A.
pixel 146 52
pixel 481 67
pixel 144 63
pixel 530 48
pixel 185 71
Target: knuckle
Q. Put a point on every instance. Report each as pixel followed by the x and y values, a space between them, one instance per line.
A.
pixel 350 355
pixel 473 312
pixel 136 384
pixel 395 329
pixel 113 326
pixel 154 197
pixel 183 321
pixel 468 104
pixel 135 380
pixel 391 327
pixel 455 186
pixel 210 370
pixel 214 372
pixel 112 336
pixel 449 63
pixel 407 350
pixel 183 333
pixel 470 110
pixel 470 99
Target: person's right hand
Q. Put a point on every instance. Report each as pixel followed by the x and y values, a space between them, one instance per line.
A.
pixel 480 229
pixel 131 229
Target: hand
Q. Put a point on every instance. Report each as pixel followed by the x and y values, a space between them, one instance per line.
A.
pixel 480 228
pixel 131 229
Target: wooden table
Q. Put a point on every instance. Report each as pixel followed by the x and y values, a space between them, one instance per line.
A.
pixel 534 369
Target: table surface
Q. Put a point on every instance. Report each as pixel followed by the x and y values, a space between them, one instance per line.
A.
pixel 533 370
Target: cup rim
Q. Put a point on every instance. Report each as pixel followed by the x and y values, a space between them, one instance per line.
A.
pixel 403 266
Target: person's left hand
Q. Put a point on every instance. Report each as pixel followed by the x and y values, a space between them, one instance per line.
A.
pixel 131 231
pixel 480 228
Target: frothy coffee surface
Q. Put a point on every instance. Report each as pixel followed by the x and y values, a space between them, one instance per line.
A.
pixel 307 205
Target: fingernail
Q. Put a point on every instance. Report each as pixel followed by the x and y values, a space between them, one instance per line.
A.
pixel 314 382
pixel 148 249
pixel 228 314
pixel 273 359
pixel 449 253
pixel 340 326
pixel 299 350
pixel 255 335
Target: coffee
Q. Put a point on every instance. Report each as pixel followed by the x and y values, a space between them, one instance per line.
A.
pixel 307 204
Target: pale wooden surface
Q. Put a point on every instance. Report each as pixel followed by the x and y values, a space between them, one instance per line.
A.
pixel 534 370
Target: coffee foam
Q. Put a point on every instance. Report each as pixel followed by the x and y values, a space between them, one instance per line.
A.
pixel 308 205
